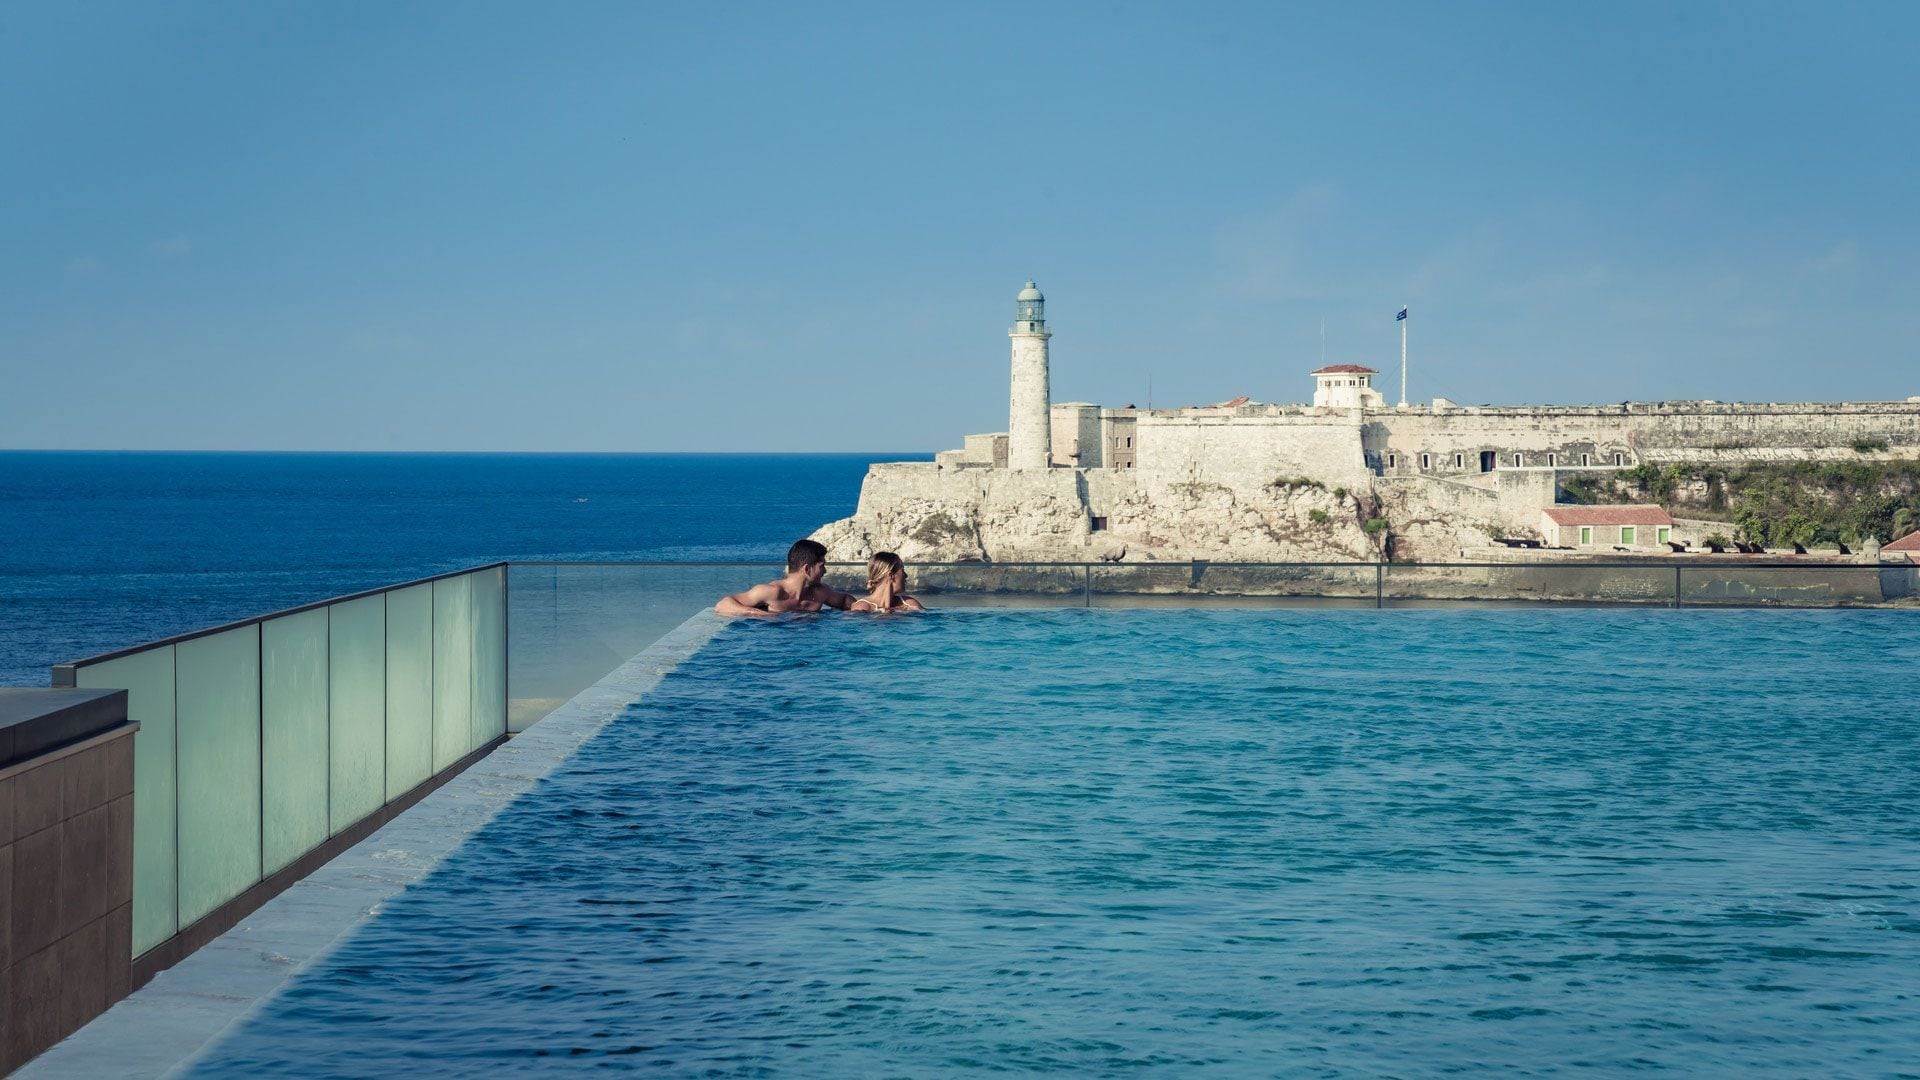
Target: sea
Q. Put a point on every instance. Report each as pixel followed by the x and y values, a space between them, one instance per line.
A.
pixel 103 550
pixel 1535 842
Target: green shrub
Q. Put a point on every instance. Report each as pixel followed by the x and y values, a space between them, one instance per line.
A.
pixel 1589 490
pixel 1775 503
pixel 1904 521
pixel 1868 446
pixel 1718 540
pixel 1297 482
pixel 937 528
pixel 1318 517
pixel 1375 524
pixel 1654 483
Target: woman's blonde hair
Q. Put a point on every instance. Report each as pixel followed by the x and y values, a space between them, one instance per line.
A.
pixel 880 571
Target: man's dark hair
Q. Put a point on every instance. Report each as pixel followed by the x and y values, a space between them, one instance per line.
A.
pixel 805 553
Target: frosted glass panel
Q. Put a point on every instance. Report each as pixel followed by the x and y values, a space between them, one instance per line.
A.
pixel 489 654
pixel 357 713
pixel 148 680
pixel 573 623
pixel 452 670
pixel 293 736
pixel 217 706
pixel 409 687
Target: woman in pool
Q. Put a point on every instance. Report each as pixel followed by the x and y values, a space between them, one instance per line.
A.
pixel 886 586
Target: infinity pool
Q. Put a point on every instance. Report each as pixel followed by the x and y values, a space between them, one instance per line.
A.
pixel 1185 843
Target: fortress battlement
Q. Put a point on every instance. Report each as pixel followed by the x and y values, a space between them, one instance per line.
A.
pixel 1907 407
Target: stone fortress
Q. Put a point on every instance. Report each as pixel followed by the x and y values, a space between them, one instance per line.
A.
pixel 1348 477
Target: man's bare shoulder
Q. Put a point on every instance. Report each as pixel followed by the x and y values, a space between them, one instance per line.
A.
pixel 767 596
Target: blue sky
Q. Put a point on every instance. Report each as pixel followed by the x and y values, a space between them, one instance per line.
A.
pixel 800 227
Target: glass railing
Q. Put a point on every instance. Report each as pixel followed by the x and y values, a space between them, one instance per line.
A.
pixel 575 622
pixel 262 739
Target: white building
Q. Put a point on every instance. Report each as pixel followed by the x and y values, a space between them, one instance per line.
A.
pixel 1346 386
pixel 1604 527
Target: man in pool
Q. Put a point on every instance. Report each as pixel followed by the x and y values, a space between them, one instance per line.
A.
pixel 800 590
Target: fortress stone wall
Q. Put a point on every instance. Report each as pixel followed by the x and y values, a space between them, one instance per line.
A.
pixel 1633 433
pixel 1252 450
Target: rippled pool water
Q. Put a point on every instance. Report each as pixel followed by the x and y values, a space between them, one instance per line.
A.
pixel 1186 843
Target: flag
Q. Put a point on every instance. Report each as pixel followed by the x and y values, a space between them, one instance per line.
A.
pixel 1402 317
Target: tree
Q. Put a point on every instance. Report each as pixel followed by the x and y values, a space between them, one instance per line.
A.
pixel 1905 520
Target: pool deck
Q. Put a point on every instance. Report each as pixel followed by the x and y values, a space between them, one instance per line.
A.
pixel 165 1026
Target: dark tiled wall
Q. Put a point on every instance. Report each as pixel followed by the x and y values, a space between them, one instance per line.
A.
pixel 66 891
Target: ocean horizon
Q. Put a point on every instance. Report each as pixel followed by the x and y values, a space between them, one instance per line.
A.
pixel 103 549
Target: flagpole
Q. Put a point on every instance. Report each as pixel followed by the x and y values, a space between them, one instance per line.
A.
pixel 1403 356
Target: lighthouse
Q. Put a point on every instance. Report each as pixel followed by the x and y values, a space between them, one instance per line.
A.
pixel 1029 427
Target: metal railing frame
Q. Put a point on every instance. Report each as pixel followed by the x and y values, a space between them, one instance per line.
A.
pixel 68 670
pixel 1198 566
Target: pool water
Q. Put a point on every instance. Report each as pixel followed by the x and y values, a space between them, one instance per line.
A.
pixel 1185 842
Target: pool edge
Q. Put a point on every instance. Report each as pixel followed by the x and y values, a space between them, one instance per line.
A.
pixel 172 1022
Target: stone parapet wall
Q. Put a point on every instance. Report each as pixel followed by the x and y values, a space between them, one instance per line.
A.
pixel 1251 451
pixel 66 863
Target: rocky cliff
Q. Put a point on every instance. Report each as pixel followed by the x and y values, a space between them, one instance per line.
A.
pixel 928 513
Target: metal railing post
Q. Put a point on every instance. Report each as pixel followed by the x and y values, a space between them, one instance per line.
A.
pixel 1087 569
pixel 1379 585
pixel 1676 586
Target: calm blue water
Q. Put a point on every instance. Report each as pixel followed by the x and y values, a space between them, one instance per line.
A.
pixel 1181 843
pixel 99 551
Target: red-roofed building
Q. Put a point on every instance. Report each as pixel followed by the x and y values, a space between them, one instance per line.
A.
pixel 1640 526
pixel 1345 386
pixel 1908 545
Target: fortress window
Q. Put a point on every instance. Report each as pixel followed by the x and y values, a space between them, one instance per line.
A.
pixel 1459 461
pixel 1619 459
pixel 1129 442
pixel 1516 461
pixel 1586 535
pixel 1586 459
pixel 1099 525
pixel 1663 535
pixel 1626 534
pixel 1552 460
pixel 1393 461
pixel 1129 464
pixel 1426 462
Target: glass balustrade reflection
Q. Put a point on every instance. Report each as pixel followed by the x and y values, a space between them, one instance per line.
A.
pixel 569 624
